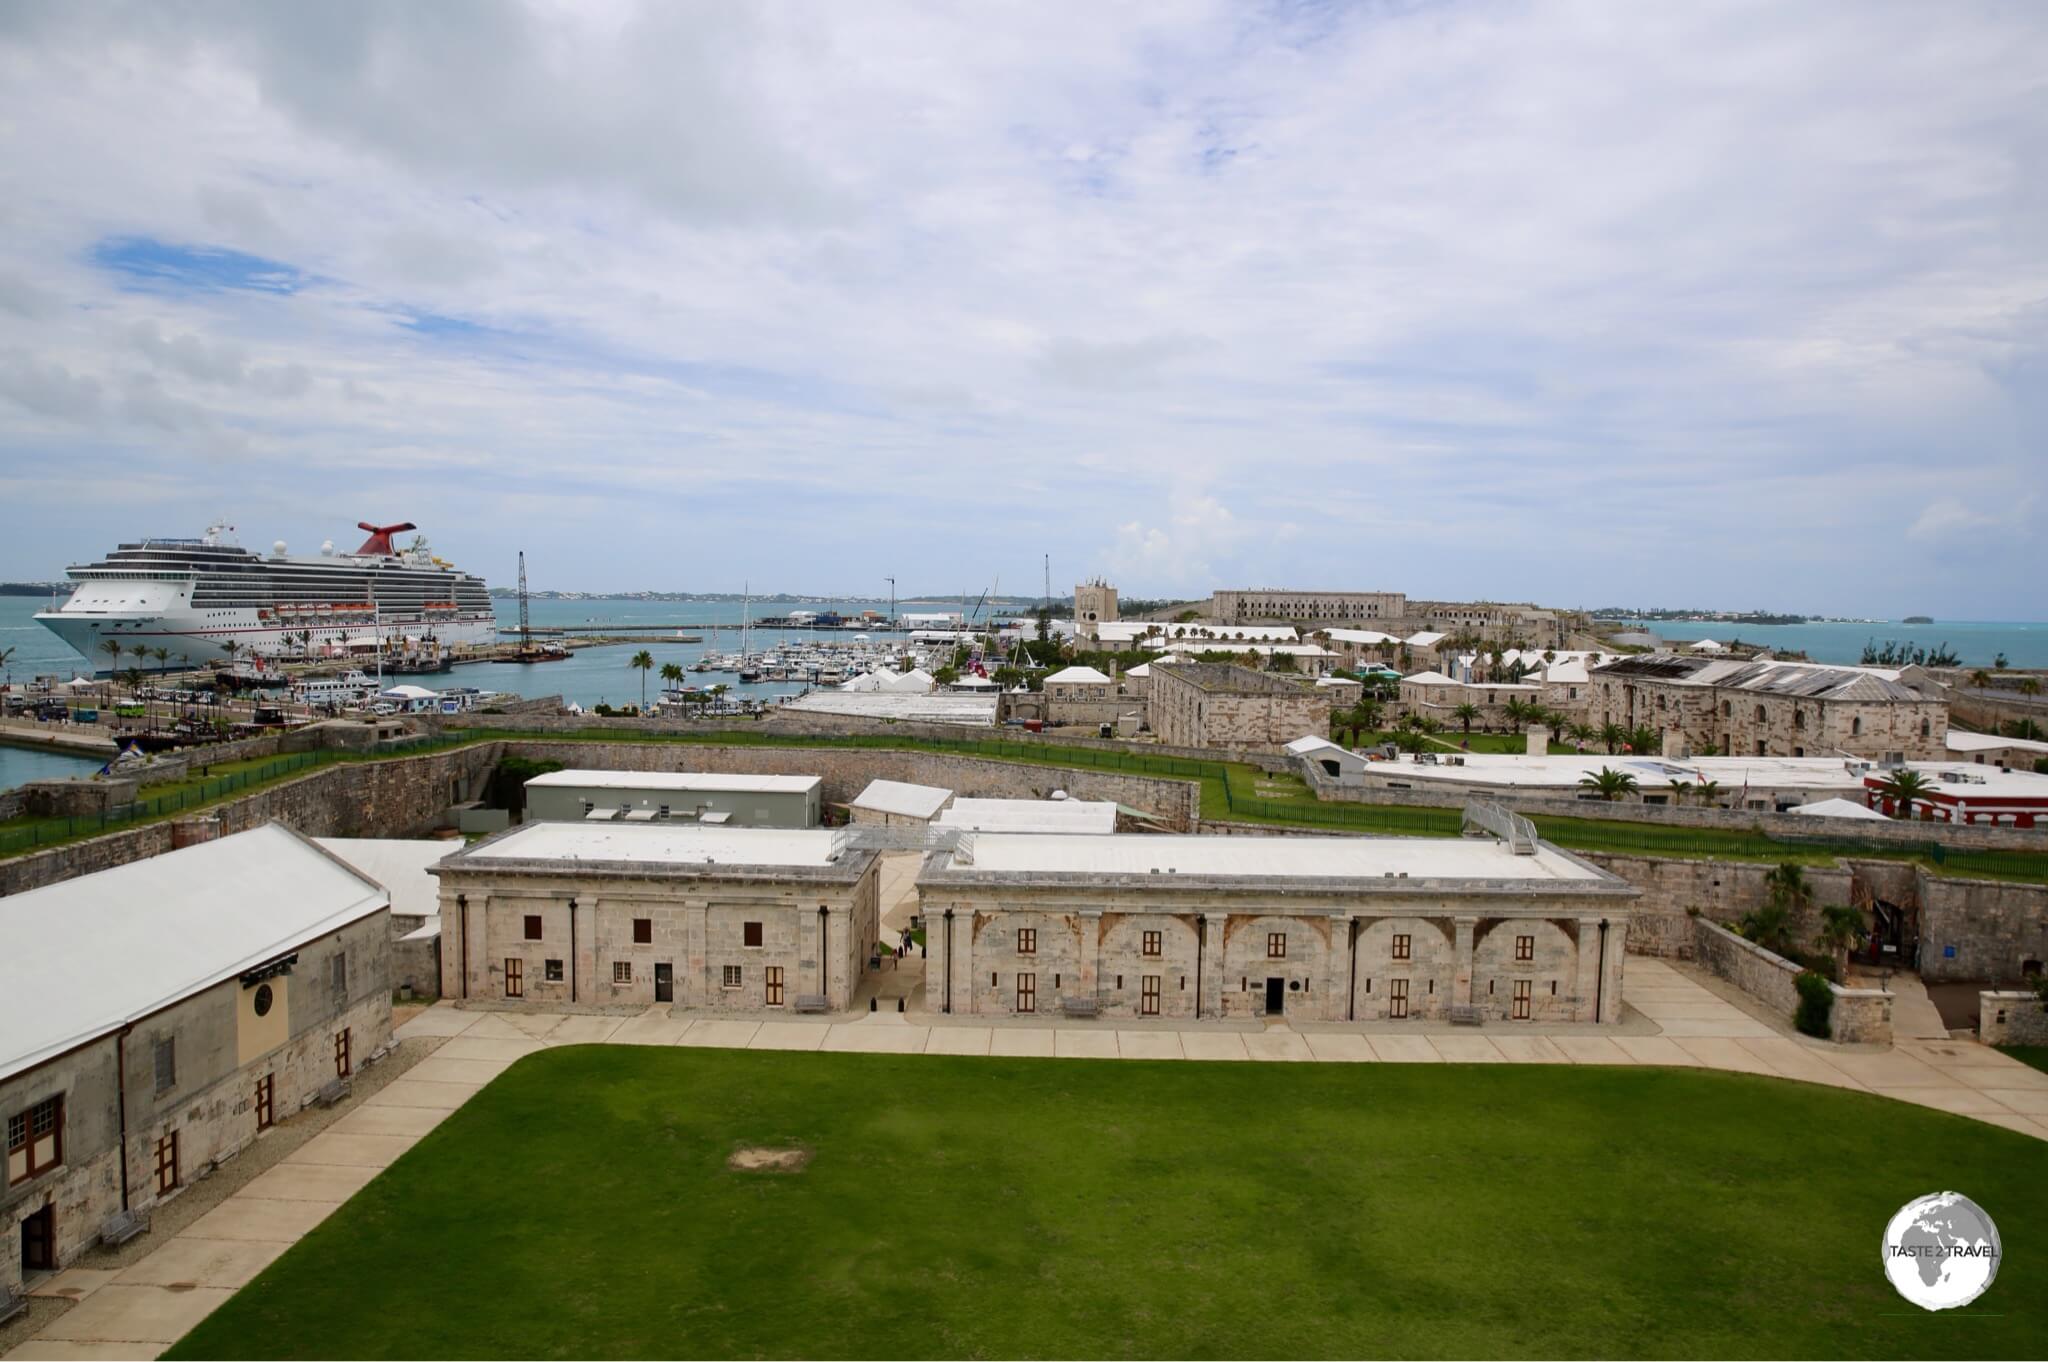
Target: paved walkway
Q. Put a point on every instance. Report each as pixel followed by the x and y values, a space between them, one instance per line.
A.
pixel 138 1311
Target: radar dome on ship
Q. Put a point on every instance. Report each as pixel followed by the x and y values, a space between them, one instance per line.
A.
pixel 278 548
pixel 327 549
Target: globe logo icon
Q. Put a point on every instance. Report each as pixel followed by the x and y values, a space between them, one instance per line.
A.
pixel 1941 1251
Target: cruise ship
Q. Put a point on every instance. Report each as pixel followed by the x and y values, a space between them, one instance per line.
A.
pixel 195 596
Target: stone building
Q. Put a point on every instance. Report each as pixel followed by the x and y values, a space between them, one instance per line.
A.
pixel 1330 929
pixel 743 801
pixel 1772 708
pixel 157 1017
pixel 614 914
pixel 1094 605
pixel 1275 605
pixel 1215 704
pixel 1082 695
pixel 403 868
pixel 1520 624
pixel 1437 696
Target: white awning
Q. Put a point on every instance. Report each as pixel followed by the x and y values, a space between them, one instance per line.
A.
pixel 602 813
pixel 641 815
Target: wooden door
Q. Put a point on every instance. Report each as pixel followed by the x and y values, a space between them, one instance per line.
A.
pixel 515 978
pixel 1397 998
pixel 1148 996
pixel 1521 1012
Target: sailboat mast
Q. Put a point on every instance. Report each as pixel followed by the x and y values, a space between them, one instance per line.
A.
pixel 525 625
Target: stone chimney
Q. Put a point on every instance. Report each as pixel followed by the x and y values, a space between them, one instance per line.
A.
pixel 1539 739
pixel 1674 743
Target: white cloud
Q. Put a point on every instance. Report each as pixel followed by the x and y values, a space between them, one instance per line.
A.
pixel 1458 299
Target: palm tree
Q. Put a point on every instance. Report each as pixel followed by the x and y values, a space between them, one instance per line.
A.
pixel 1466 713
pixel 1582 733
pixel 1840 930
pixel 1980 678
pixel 1708 791
pixel 672 675
pixel 163 658
pixel 230 647
pixel 1517 714
pixel 113 648
pixel 2030 685
pixel 1643 739
pixel 1408 740
pixel 643 662
pixel 1679 790
pixel 1609 784
pixel 1770 926
pixel 1902 787
pixel 1613 735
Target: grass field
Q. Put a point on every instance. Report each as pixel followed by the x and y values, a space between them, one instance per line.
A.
pixel 582 1206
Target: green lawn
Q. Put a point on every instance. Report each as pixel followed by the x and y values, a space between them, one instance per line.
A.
pixel 581 1206
pixel 2036 1055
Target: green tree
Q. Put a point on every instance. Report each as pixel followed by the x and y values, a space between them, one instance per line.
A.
pixel 1643 740
pixel 1903 787
pixel 1708 792
pixel 2030 685
pixel 1466 713
pixel 1613 735
pixel 946 676
pixel 1409 740
pixel 672 676
pixel 1680 789
pixel 642 662
pixel 1840 930
pixel 1608 784
pixel 1980 678
pixel 1581 733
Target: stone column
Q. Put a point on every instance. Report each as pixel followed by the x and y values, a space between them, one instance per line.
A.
pixel 1336 987
pixel 1088 949
pixel 840 967
pixel 693 988
pixel 1210 984
pixel 1588 985
pixel 1461 982
pixel 963 967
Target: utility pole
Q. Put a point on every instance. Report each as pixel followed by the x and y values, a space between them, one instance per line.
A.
pixel 892 598
pixel 1048 581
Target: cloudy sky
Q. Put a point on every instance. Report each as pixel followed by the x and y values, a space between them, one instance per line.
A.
pixel 1722 304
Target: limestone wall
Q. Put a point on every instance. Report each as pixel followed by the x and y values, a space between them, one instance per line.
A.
pixel 1993 928
pixel 1859 1015
pixel 2011 1017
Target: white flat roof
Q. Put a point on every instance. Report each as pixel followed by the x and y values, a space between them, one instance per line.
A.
pixel 1086 817
pixel 940 708
pixel 658 844
pixel 1959 741
pixel 1459 858
pixel 676 780
pixel 89 955
pixel 1839 808
pixel 1654 774
pixel 902 798
pixel 400 865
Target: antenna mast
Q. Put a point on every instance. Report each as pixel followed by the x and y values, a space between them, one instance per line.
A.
pixel 1048 581
pixel 892 598
pixel 525 627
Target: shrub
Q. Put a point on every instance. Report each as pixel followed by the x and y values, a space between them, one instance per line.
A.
pixel 1816 1004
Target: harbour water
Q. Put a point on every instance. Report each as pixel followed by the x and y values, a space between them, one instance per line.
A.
pixel 1976 642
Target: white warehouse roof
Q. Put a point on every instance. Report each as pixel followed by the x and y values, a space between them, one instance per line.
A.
pixel 676 780
pixel 399 865
pixel 902 798
pixel 89 955
pixel 658 844
pixel 1086 817
pixel 1265 858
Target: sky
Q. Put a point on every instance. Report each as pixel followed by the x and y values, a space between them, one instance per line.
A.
pixel 1741 305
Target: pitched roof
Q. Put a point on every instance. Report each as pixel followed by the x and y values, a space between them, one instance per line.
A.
pixel 1073 676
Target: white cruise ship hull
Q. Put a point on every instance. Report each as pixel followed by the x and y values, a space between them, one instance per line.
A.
pixel 208 600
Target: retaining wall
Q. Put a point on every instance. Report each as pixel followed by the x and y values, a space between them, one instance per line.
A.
pixel 2011 1017
pixel 1859 1015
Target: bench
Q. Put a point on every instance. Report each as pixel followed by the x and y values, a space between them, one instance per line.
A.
pixel 334 1092
pixel 122 1226
pixel 813 1002
pixel 1466 1014
pixel 1081 1007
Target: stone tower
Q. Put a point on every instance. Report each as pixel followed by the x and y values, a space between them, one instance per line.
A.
pixel 1094 603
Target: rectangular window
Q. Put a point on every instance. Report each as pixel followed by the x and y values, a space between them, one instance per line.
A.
pixel 643 931
pixel 167 1163
pixel 1027 941
pixel 166 1064
pixel 533 926
pixel 344 1053
pixel 35 1140
pixel 622 971
pixel 551 971
pixel 338 972
pixel 1397 998
pixel 266 1101
pixel 1148 995
pixel 1027 993
pixel 1276 945
pixel 1525 948
pixel 1521 1012
pixel 750 935
pixel 515 977
pixel 1153 946
pixel 1402 947
pixel 729 977
pixel 773 995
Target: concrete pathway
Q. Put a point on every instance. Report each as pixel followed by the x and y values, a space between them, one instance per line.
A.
pixel 138 1311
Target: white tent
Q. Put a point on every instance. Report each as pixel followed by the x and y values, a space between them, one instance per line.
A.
pixel 1840 808
pixel 916 681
